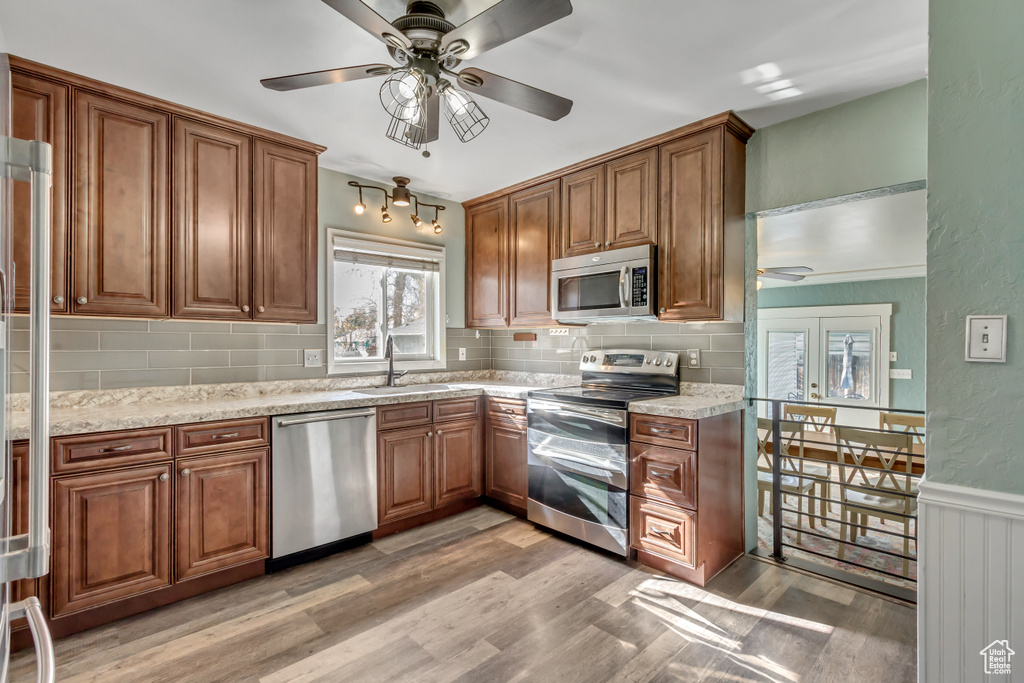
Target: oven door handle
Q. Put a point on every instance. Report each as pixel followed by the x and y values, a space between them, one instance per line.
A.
pixel 624 298
pixel 615 417
pixel 596 463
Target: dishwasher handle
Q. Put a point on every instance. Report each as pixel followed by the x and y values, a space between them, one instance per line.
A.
pixel 326 418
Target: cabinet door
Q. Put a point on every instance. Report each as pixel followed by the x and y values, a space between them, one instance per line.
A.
pixel 582 230
pixel 111 536
pixel 121 230
pixel 39 111
pixel 458 466
pixel 221 511
pixel 632 199
pixel 506 460
pixel 212 222
pixel 533 231
pixel 284 234
pixel 487 264
pixel 405 469
pixel 19 517
pixel 691 228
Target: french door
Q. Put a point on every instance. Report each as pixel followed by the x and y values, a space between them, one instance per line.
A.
pixel 837 355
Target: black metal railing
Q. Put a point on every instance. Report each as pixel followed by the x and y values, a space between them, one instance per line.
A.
pixel 866 467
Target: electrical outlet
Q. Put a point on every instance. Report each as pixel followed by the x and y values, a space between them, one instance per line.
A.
pixel 313 358
pixel 462 353
pixel 693 359
pixel 892 356
pixel 559 332
pixel 896 373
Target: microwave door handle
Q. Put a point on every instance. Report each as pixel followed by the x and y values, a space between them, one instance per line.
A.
pixel 624 287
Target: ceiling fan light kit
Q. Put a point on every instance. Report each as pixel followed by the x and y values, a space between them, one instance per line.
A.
pixel 427 46
pixel 399 196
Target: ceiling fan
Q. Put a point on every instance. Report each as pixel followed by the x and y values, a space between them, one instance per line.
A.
pixel 788 273
pixel 428 49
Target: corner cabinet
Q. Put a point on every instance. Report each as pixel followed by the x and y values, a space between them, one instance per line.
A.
pixel 487 264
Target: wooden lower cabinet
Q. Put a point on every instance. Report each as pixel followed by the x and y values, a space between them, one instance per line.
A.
pixel 222 503
pixel 111 536
pixel 505 451
pixel 405 464
pixel 458 466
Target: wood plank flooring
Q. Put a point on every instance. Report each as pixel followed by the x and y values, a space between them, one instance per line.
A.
pixel 484 596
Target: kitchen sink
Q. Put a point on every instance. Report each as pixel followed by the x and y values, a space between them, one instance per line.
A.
pixel 410 389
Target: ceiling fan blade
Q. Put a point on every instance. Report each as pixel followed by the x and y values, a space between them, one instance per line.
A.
pixel 503 22
pixel 780 276
pixel 363 16
pixel 326 77
pixel 788 269
pixel 433 116
pixel 514 93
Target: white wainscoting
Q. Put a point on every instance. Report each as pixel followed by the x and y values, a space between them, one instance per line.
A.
pixel 971 581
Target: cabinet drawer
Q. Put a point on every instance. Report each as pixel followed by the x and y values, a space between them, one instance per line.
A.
pixel 663 473
pixel 456 408
pixel 662 529
pixel 404 415
pixel 111 449
pixel 664 431
pixel 229 435
pixel 508 407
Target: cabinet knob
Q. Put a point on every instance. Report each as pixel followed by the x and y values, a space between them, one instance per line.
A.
pixel 260 309
pixel 661 310
pixel 185 472
pixel 439 432
pixel 81 301
pixel 164 477
pixel 430 433
pixel 597 245
pixel 245 309
pixel 58 299
pixel 607 244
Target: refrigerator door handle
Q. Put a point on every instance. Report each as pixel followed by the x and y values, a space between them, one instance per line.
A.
pixel 33 613
pixel 33 161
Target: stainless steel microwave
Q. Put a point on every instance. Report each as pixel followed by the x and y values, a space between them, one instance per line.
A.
pixel 606 286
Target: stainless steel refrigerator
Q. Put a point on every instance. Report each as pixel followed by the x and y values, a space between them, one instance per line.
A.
pixel 25 556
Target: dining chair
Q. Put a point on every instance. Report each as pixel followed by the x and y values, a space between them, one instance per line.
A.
pixel 902 422
pixel 820 419
pixel 791 484
pixel 879 491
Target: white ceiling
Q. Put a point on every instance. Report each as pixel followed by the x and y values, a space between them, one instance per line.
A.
pixel 634 69
pixel 870 239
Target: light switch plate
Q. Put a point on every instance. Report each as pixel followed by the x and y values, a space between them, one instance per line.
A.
pixel 985 339
pixel 892 357
pixel 897 373
pixel 462 353
pixel 693 359
pixel 313 358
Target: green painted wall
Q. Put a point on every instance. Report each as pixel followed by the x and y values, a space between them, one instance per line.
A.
pixel 336 200
pixel 908 331
pixel 975 239
pixel 871 142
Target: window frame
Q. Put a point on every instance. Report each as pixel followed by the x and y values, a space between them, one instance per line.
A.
pixel 436 337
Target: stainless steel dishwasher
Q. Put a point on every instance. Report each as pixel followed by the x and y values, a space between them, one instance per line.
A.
pixel 324 484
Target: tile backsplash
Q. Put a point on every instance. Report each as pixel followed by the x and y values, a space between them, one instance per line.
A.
pixel 106 353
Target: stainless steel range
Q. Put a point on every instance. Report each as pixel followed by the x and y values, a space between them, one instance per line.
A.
pixel 579 444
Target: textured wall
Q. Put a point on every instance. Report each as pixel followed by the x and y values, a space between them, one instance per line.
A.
pixel 908 332
pixel 975 239
pixel 871 142
pixel 336 202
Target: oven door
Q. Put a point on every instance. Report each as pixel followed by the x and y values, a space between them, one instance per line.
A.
pixel 571 422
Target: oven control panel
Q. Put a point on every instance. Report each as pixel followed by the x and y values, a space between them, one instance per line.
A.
pixel 627 361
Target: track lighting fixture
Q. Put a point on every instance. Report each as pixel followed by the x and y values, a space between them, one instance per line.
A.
pixel 400 196
pixel 360 207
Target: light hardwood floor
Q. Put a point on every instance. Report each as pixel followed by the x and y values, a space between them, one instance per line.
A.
pixel 488 597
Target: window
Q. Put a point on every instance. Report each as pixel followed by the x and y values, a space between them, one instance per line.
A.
pixel 379 288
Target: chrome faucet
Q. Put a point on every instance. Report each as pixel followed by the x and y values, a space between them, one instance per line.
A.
pixel 389 354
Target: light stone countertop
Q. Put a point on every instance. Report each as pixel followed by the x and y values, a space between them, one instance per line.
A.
pixel 694 402
pixel 136 410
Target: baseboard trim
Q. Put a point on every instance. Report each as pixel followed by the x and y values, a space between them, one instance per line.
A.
pixel 984 501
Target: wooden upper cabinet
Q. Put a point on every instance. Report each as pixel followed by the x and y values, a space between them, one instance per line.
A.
pixel 631 202
pixel 533 230
pixel 39 111
pixel 583 213
pixel 284 233
pixel 222 508
pixel 212 216
pixel 121 227
pixel 487 263
pixel 111 536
